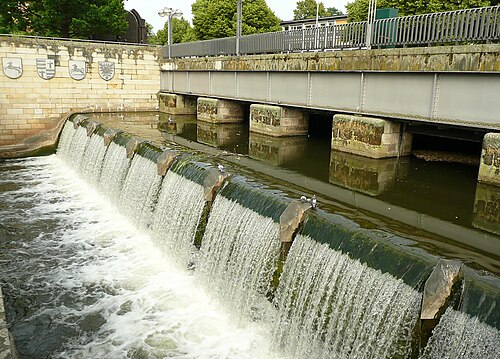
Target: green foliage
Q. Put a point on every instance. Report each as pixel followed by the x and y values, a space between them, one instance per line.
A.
pixel 332 11
pixel 358 10
pixel 306 9
pixel 181 32
pixel 214 19
pixel 14 16
pixel 64 18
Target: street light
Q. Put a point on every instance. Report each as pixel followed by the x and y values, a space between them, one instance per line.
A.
pixel 170 13
pixel 372 9
pixel 238 25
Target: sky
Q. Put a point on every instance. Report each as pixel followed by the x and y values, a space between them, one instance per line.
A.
pixel 148 9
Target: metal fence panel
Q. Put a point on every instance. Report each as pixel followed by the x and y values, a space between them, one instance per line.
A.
pixel 471 25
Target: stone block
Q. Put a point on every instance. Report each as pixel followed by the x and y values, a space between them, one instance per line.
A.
pixel 219 111
pixel 278 121
pixel 489 167
pixel 369 137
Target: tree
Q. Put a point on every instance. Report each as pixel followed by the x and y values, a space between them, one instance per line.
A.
pixel 332 11
pixel 358 10
pixel 181 32
pixel 64 18
pixel 306 9
pixel 214 19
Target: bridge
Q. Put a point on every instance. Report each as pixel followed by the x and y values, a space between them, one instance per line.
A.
pixel 436 72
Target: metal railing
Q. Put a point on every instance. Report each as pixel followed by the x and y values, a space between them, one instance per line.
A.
pixel 471 25
pixel 479 24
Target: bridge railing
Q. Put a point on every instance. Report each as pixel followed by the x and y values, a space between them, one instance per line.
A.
pixel 479 24
pixel 471 25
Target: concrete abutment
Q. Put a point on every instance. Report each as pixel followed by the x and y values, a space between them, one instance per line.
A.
pixel 489 167
pixel 369 137
pixel 175 104
pixel 215 110
pixel 278 121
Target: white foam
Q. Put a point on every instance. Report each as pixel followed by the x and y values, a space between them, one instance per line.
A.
pixel 150 307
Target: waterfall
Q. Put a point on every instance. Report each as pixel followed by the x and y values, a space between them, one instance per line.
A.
pixel 140 191
pixel 73 153
pixel 460 336
pixel 330 305
pixel 67 134
pixel 344 291
pixel 239 255
pixel 177 214
pixel 93 159
pixel 114 170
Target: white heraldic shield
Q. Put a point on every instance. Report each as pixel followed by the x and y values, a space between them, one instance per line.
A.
pixel 12 67
pixel 46 68
pixel 77 69
pixel 106 70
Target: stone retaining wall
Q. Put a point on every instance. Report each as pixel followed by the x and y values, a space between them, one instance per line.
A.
pixel 32 107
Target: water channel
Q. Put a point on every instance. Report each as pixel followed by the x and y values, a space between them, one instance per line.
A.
pixel 98 258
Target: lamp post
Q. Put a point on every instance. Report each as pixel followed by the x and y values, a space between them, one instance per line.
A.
pixel 169 13
pixel 317 13
pixel 238 26
pixel 372 9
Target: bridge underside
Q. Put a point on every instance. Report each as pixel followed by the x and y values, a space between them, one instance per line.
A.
pixel 464 99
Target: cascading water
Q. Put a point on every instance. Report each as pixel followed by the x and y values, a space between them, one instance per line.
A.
pixel 94 156
pixel 460 336
pixel 140 191
pixel 239 255
pixel 177 214
pixel 82 281
pixel 331 306
pixel 67 134
pixel 75 151
pixel 97 287
pixel 114 170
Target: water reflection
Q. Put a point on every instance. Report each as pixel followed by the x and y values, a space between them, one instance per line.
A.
pixel 183 125
pixel 486 213
pixel 276 150
pixel 366 175
pixel 232 137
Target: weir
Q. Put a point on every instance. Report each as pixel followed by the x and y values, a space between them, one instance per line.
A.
pixel 343 291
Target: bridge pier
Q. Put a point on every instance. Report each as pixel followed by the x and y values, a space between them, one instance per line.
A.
pixel 176 104
pixel 278 121
pixel 369 137
pixel 219 111
pixel 489 167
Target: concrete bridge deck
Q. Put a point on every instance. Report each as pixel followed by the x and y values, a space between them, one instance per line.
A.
pixel 456 85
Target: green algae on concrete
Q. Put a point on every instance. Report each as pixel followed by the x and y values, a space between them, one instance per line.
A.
pixel 369 137
pixel 176 104
pixel 278 121
pixel 219 111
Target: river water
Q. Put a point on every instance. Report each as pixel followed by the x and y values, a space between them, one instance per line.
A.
pixel 81 281
pixel 97 257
